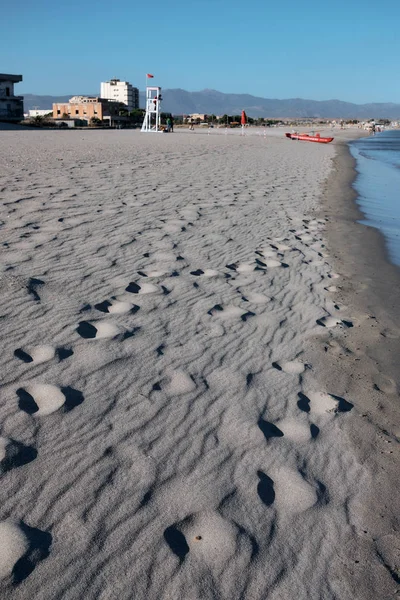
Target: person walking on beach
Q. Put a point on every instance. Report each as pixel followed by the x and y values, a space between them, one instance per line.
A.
pixel 168 124
pixel 172 124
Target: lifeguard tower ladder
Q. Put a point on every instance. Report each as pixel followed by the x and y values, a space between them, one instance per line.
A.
pixel 152 118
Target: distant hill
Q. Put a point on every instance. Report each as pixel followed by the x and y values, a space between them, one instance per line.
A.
pixel 180 102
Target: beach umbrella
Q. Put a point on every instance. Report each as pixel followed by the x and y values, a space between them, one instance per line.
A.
pixel 243 120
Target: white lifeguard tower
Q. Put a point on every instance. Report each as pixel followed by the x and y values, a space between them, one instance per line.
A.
pixel 152 118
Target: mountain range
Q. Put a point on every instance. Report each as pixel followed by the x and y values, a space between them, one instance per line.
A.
pixel 178 102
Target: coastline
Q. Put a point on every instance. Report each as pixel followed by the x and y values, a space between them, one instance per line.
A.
pixel 363 365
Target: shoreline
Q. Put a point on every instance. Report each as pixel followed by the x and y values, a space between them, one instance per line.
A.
pixel 363 366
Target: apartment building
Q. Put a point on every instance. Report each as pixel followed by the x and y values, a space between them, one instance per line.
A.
pixel 120 91
pixel 11 106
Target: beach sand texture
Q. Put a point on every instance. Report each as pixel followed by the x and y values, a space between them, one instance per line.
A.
pixel 163 434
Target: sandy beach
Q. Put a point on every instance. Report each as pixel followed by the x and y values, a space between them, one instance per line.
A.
pixel 199 371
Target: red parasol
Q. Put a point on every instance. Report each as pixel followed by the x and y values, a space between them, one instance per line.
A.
pixel 243 120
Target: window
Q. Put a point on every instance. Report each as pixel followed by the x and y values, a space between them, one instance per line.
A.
pixel 58 111
pixel 7 91
pixel 76 111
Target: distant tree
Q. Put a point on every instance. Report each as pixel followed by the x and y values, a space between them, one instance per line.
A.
pixel 225 120
pixel 95 122
pixel 136 116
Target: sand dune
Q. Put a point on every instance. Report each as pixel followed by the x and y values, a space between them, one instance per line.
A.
pixel 158 294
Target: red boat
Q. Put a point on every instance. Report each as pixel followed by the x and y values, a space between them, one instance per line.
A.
pixel 305 137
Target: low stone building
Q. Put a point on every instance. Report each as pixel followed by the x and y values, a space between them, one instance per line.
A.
pixel 87 108
pixel 11 106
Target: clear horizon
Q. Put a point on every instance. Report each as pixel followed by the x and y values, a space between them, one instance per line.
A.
pixel 345 51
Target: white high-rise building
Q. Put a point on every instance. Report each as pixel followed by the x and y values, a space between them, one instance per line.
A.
pixel 120 91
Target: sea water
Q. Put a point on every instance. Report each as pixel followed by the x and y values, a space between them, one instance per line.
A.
pixel 378 185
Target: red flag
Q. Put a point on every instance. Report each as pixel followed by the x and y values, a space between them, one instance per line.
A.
pixel 149 76
pixel 243 120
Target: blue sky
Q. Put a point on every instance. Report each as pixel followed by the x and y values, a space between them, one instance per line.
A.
pixel 343 49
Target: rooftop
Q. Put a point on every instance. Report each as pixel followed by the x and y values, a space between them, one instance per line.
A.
pixel 8 77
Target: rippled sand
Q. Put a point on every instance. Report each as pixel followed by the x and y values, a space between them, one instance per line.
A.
pixel 164 436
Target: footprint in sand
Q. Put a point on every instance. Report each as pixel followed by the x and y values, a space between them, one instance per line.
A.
pixel 176 542
pixel 143 288
pixel 270 259
pixel 245 268
pixel 230 312
pixel 268 429
pixel 281 247
pixel 98 330
pixel 293 494
pixel 265 489
pixel 153 273
pixel 295 430
pixel 35 354
pixel 210 539
pixel 205 273
pixel 22 548
pixel 117 307
pixel 41 399
pixel 292 366
pixel 303 402
pixel 384 384
pixel 329 321
pixel 180 383
pixel 257 298
pixel 14 544
pixel 14 454
pixel 323 402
